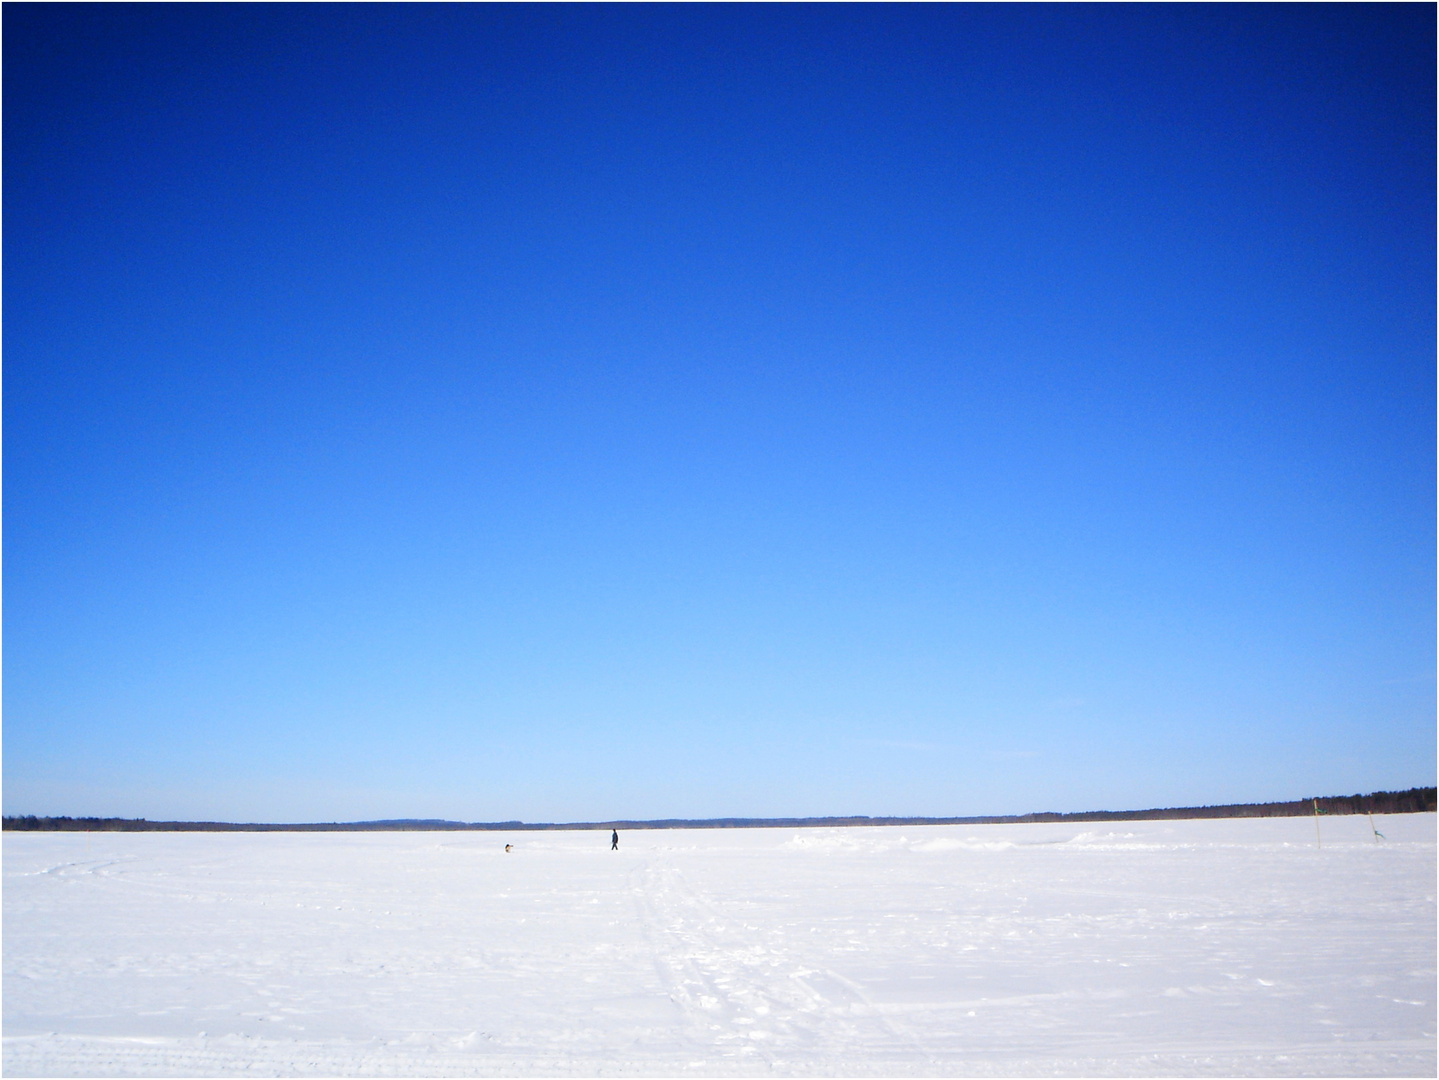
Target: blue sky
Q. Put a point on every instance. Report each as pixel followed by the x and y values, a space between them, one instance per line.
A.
pixel 568 413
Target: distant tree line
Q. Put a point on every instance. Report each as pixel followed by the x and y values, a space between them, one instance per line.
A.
pixel 31 823
pixel 1413 801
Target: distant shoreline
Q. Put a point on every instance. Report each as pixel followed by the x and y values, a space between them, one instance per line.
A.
pixel 1413 801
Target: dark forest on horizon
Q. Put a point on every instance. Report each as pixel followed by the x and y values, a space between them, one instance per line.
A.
pixel 1413 801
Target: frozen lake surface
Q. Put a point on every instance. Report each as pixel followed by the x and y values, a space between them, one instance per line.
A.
pixel 1121 948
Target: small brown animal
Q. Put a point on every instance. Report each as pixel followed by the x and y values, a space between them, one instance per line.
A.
pixel 509 847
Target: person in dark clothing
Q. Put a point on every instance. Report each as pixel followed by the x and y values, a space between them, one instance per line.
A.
pixel 614 840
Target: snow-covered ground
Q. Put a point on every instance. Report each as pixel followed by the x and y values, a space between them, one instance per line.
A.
pixel 1153 948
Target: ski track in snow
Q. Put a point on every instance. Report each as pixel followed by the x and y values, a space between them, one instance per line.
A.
pixel 1197 948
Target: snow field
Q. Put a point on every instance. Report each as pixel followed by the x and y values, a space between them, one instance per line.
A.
pixel 1229 947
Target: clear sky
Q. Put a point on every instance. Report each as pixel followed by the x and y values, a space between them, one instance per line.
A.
pixel 558 413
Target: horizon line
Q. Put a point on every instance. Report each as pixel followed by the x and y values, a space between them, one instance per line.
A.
pixel 1412 800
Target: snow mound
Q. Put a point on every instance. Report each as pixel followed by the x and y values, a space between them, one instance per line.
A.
pixel 968 844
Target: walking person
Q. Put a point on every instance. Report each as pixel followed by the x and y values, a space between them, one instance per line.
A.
pixel 614 840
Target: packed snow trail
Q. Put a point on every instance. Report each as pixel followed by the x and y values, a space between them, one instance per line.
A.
pixel 1232 947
